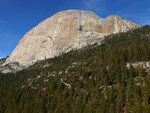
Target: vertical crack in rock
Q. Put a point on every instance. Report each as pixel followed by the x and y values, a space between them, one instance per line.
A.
pixel 80 27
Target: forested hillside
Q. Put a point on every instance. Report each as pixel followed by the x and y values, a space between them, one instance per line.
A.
pixel 94 79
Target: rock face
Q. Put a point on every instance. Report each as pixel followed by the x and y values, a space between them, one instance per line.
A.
pixel 116 24
pixel 64 31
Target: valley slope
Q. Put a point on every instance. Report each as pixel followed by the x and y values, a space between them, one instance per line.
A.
pixel 94 79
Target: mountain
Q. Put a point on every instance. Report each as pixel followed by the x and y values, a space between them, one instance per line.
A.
pixel 113 77
pixel 63 32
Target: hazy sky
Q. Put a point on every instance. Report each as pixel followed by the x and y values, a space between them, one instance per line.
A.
pixel 18 16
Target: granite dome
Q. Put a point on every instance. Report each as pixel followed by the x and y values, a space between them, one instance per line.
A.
pixel 65 31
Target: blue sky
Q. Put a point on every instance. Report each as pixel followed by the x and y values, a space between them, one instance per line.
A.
pixel 18 16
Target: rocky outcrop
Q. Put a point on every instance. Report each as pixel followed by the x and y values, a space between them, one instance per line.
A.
pixel 64 31
pixel 143 64
pixel 2 60
pixel 11 67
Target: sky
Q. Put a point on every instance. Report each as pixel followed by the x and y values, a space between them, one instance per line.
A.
pixel 17 17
